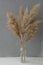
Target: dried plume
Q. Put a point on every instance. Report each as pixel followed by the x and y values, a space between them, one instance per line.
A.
pixel 12 23
pixel 26 22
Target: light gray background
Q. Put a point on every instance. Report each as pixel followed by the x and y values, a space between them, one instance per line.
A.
pixel 9 42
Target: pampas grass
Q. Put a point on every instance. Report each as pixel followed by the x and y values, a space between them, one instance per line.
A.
pixel 33 13
pixel 26 23
pixel 12 23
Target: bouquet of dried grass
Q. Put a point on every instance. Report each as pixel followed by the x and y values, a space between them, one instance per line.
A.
pixel 25 24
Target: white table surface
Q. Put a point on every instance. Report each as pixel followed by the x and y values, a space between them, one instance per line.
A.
pixel 16 61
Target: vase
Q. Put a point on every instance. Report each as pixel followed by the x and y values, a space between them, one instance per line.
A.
pixel 22 50
pixel 23 54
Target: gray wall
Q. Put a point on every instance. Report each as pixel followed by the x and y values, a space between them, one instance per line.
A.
pixel 9 42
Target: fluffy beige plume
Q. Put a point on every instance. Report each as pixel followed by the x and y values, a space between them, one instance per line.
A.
pixel 20 17
pixel 33 29
pixel 32 15
pixel 25 17
pixel 35 23
pixel 12 23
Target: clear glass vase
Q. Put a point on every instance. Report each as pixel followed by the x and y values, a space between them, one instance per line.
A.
pixel 23 54
pixel 22 49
